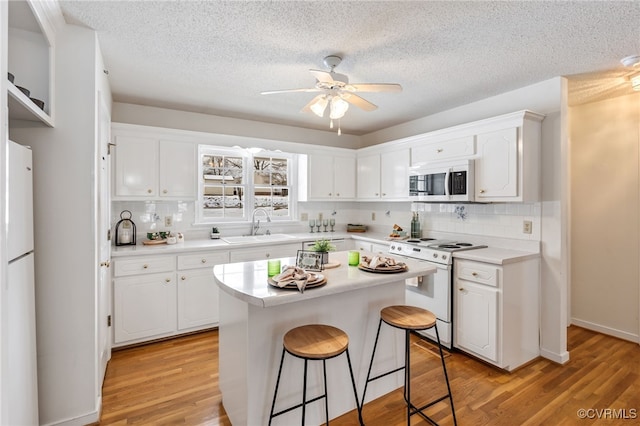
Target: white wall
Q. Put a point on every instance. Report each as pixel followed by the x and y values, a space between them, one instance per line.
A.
pixel 605 216
pixel 64 200
pixel 172 119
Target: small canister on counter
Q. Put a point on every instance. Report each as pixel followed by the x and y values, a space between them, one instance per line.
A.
pixel 415 226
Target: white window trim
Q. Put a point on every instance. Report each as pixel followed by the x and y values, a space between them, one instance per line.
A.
pixel 247 178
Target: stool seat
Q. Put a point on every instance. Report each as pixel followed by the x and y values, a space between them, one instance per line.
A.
pixel 408 317
pixel 316 341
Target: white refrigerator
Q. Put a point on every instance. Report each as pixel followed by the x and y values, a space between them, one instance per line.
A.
pixel 22 377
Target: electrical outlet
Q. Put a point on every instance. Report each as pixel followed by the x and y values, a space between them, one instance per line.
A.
pixel 527 226
pixel 320 217
pixel 168 221
pixel 304 217
pixel 373 215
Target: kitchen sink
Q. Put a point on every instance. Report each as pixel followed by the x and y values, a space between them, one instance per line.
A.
pixel 257 238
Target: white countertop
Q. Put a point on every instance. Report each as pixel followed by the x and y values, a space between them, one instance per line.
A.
pixel 498 256
pixel 247 281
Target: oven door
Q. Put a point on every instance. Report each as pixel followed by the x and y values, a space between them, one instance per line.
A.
pixel 433 293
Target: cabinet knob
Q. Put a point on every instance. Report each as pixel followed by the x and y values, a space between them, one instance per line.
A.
pixel 461 289
pixel 268 255
pixel 183 278
pixel 377 194
pixel 168 280
pixel 164 191
pixel 338 194
pixel 203 260
pixel 149 191
pixel 145 266
pixel 482 191
pixel 475 274
pixel 384 194
pixel 439 150
pixel 330 194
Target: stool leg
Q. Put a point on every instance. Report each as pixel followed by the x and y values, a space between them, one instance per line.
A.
pixel 304 391
pixel 407 374
pixel 355 390
pixel 326 397
pixel 273 404
pixel 446 378
pixel 375 345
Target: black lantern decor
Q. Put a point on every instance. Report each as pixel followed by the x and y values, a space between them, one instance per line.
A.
pixel 125 230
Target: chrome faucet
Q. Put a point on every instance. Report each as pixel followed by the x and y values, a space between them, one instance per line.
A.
pixel 255 226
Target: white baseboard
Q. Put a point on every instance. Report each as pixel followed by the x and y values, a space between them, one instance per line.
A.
pixel 560 358
pixel 624 335
pixel 83 419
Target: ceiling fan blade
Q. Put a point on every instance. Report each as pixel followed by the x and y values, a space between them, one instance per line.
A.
pixel 307 107
pixel 322 76
pixel 376 87
pixel 271 92
pixel 356 100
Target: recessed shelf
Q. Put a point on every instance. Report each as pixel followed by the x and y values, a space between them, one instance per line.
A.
pixel 22 108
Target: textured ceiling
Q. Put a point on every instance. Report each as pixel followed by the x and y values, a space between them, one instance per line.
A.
pixel 216 57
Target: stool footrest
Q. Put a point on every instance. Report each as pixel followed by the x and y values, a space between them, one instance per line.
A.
pixel 385 374
pixel 298 406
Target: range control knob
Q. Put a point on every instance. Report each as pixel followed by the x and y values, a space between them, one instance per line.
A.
pixel 435 255
pixel 393 247
pixel 444 257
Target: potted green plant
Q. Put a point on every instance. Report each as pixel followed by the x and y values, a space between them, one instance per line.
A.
pixel 324 246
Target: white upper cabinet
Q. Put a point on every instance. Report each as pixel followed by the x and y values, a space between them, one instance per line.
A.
pixel 30 46
pixel 446 149
pixel 369 177
pixel 177 169
pixel 135 167
pixel 331 177
pixel 147 167
pixel 496 168
pixel 384 176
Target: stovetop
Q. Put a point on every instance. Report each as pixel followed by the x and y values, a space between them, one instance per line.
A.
pixel 431 249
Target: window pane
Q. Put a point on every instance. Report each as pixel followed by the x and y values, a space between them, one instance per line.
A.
pixel 275 200
pixel 279 171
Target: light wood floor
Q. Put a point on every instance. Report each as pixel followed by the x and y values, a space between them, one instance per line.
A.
pixel 176 382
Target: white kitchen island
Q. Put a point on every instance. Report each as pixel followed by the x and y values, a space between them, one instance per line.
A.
pixel 254 317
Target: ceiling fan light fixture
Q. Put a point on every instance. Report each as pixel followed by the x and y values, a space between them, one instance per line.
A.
pixel 631 61
pixel 338 107
pixel 319 106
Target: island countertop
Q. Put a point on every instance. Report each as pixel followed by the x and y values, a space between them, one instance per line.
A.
pixel 247 281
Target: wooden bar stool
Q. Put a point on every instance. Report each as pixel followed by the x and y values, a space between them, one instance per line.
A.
pixel 409 318
pixel 314 342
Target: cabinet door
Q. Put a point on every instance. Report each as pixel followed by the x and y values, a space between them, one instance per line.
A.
pixel 476 313
pixel 344 177
pixel 496 169
pixel 443 150
pixel 394 175
pixel 136 167
pixel 177 169
pixel 197 299
pixel 369 177
pixel 320 177
pixel 144 306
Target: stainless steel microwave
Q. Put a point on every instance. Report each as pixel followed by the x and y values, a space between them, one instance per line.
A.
pixel 450 181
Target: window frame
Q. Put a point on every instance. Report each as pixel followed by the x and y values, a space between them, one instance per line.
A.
pixel 248 185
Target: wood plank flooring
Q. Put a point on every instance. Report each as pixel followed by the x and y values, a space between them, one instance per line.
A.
pixel 175 382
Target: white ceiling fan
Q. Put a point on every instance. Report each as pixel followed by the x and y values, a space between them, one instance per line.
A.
pixel 337 93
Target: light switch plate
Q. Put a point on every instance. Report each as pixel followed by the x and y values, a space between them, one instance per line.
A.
pixel 527 227
pixel 304 217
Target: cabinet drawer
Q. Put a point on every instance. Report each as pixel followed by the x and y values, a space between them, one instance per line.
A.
pixel 478 272
pixel 147 265
pixel 443 150
pixel 202 260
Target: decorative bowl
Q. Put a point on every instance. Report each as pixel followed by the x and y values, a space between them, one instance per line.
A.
pixel 38 102
pixel 27 92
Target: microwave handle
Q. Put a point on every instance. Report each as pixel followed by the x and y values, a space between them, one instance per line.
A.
pixel 447 178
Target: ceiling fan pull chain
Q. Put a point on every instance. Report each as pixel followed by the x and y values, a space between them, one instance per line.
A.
pixel 331 124
pixel 339 129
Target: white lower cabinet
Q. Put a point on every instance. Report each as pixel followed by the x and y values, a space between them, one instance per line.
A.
pixel 496 311
pixel 197 299
pixel 144 307
pixel 149 304
pixel 371 247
